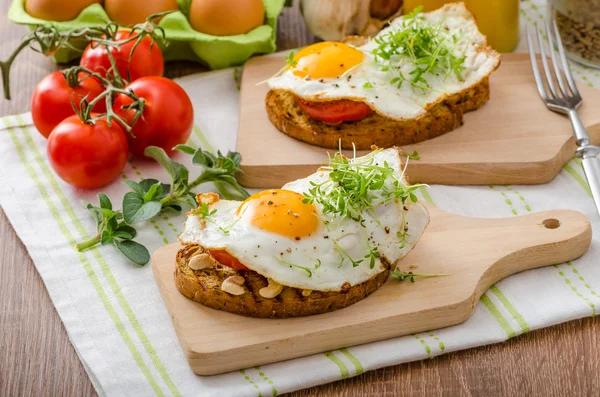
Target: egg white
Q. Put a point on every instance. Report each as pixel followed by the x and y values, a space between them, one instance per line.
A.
pixel 405 102
pixel 325 253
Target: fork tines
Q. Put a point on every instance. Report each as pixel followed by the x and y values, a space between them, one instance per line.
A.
pixel 566 96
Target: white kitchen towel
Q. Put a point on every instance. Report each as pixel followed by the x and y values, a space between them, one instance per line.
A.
pixel 116 318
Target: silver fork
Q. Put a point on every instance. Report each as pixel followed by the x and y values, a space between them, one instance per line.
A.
pixel 563 97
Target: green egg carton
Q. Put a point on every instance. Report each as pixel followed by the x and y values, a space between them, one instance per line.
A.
pixel 183 42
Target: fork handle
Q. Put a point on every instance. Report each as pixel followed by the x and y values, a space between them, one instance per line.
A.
pixel 591 167
pixel 581 136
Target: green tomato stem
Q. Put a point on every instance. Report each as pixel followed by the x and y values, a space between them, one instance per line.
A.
pixel 5 66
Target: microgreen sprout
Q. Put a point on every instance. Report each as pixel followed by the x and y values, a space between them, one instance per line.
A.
pixel 428 48
pixel 343 254
pixel 401 276
pixel 289 60
pixel 413 156
pixel 205 211
pixel 354 188
pixel 290 264
pixel 372 255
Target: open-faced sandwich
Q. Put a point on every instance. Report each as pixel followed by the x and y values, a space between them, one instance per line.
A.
pixel 411 82
pixel 318 244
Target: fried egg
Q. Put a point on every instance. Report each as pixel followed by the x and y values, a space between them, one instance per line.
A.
pixel 332 71
pixel 293 236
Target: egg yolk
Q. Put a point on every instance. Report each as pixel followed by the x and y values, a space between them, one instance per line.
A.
pixel 281 212
pixel 325 60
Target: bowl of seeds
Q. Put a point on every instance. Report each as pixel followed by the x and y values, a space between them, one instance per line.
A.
pixel 578 23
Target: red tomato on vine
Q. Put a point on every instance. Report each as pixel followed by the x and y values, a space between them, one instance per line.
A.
pixel 132 61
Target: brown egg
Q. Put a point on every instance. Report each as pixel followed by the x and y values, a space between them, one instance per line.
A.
pixel 226 17
pixel 132 12
pixel 57 10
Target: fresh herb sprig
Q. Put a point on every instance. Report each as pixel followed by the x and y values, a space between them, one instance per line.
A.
pixel 401 276
pixel 112 229
pixel 150 197
pixel 220 169
pixel 429 50
pixel 413 156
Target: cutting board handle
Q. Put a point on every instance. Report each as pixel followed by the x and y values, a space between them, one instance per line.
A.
pixel 527 242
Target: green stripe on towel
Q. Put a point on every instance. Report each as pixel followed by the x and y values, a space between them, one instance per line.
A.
pixel 42 163
pixel 86 266
pixel 339 363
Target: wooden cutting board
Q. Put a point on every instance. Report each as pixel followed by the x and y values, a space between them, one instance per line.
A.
pixel 475 253
pixel 513 139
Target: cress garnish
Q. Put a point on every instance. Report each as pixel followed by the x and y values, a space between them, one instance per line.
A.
pixel 428 48
pixel 357 187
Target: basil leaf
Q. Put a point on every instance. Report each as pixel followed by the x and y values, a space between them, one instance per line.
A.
pixel 106 238
pixel 127 229
pixel 146 184
pixel 111 225
pixel 95 213
pixel 173 207
pixel 185 149
pixel 104 201
pixel 154 192
pixel 204 158
pixel 161 157
pixel 135 210
pixel 136 187
pixel 123 235
pixel 135 252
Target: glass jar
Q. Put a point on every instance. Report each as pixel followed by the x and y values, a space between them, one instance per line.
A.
pixel 578 23
pixel 497 19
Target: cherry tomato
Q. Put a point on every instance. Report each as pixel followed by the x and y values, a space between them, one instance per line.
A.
pixel 87 155
pixel 51 100
pixel 335 112
pixel 226 259
pixel 146 60
pixel 168 115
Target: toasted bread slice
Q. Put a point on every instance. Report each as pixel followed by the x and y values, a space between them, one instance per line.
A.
pixel 204 286
pixel 381 131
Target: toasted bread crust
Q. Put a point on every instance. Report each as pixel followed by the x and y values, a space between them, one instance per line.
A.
pixel 378 130
pixel 204 286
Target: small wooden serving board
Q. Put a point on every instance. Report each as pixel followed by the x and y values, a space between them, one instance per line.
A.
pixel 475 253
pixel 513 139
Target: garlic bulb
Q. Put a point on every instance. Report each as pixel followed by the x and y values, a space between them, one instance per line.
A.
pixel 335 19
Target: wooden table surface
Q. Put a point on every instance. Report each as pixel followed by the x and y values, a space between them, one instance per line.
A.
pixel 36 357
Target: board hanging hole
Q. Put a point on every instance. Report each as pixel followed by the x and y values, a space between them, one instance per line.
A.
pixel 551 223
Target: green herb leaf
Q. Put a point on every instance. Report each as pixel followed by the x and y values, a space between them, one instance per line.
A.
pixel 135 210
pixel 220 170
pixel 154 192
pixel 106 238
pixel 126 229
pixel 146 185
pixel 163 159
pixel 136 187
pixel 135 252
pixel 104 201
pixel 185 149
pixel 413 156
pixel 123 235
pixel 289 60
pixel 369 85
